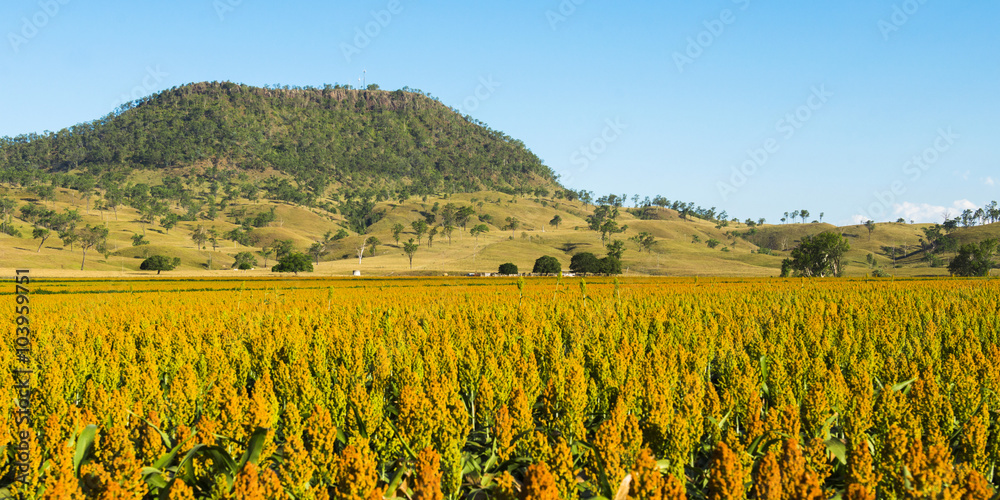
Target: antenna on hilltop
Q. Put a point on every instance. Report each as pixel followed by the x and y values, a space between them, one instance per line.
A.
pixel 364 84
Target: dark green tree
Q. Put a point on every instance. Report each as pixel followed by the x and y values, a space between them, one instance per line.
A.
pixel 974 260
pixel 555 221
pixel 610 265
pixel 293 262
pixel 169 221
pixel 547 265
pixel 159 263
pixel 463 214
pixel 616 248
pixel 818 256
pixel 584 263
pixel 507 269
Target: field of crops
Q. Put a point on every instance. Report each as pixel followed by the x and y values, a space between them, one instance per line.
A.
pixel 540 389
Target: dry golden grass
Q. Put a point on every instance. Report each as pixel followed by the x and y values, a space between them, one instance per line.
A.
pixel 676 253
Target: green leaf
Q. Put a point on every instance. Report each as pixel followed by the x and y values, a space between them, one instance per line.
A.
pixel 904 386
pixel 396 480
pixel 720 423
pixel 838 449
pixel 254 447
pixel 168 457
pixel 154 477
pixel 84 445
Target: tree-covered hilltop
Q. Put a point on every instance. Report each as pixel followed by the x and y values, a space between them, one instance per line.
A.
pixel 390 140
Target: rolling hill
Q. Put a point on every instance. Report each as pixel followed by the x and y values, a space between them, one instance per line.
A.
pixel 250 166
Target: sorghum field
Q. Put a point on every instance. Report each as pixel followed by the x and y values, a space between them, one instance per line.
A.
pixel 539 389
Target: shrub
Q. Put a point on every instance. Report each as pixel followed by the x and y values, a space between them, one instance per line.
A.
pixel 508 269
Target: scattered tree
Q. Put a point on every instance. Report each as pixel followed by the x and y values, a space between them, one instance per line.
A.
pixel 512 224
pixel 610 265
pixel 293 262
pixel 547 265
pixel 870 226
pixel 555 221
pixel 616 248
pixel 245 261
pixel 40 233
pixel 282 248
pixel 159 263
pixel 420 228
pixel 478 230
pixel 508 269
pixel 92 237
pixel 818 256
pixel 645 241
pixel 199 236
pixel 169 221
pixel 397 229
pixel 584 263
pixel 317 250
pixel 266 252
pixel 447 230
pixel 410 248
pixel 974 260
pixel 373 244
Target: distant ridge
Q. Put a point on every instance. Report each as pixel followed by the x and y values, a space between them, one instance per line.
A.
pixel 334 135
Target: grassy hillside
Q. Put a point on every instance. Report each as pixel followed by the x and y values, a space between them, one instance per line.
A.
pixel 680 248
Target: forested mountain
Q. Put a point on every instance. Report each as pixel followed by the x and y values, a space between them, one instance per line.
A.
pixel 395 142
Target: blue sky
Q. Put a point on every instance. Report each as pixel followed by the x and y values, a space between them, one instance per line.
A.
pixel 757 108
